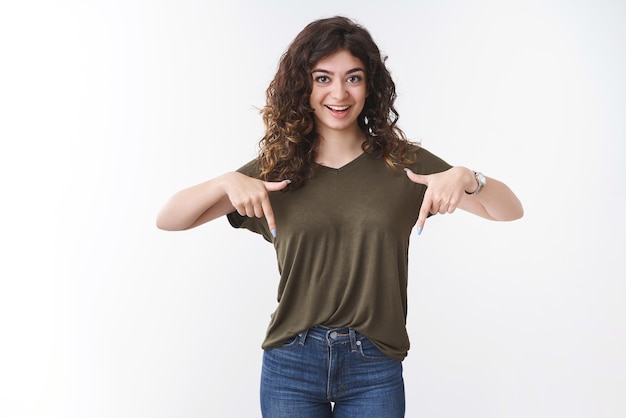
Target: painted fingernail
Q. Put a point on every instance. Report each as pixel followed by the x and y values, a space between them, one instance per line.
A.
pixel 419 230
pixel 287 181
pixel 274 233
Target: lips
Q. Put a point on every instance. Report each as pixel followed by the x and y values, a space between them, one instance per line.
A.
pixel 337 108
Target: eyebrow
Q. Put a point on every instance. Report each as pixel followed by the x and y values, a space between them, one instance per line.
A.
pixel 321 70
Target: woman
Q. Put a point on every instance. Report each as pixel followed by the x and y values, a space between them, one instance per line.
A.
pixel 337 189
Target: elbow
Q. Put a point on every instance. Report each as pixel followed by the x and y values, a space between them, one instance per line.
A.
pixel 167 223
pixel 515 216
pixel 511 211
pixel 164 225
pixel 514 213
pixel 514 209
pixel 518 211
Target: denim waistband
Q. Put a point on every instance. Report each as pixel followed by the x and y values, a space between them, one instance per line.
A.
pixel 332 336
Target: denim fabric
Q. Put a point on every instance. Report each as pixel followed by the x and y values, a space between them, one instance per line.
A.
pixel 324 372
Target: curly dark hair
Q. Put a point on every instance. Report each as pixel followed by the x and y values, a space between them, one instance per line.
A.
pixel 286 149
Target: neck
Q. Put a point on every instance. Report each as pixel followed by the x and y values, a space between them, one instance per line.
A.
pixel 335 149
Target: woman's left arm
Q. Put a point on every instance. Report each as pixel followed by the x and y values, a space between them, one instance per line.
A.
pixel 495 201
pixel 448 190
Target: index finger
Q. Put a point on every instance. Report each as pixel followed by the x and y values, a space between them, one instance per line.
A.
pixel 269 216
pixel 424 211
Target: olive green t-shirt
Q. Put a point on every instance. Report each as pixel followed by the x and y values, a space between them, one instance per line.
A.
pixel 342 249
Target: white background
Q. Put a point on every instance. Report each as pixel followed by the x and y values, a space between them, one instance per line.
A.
pixel 109 107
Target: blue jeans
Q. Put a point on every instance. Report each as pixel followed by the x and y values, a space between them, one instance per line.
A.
pixel 324 372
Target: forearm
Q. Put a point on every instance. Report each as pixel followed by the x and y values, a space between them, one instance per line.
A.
pixel 496 201
pixel 195 205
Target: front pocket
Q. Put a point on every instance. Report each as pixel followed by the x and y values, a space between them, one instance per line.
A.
pixel 290 343
pixel 368 351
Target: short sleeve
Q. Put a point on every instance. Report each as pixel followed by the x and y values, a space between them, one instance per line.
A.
pixel 428 163
pixel 257 225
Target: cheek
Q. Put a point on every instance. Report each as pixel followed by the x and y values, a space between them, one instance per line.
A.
pixel 360 92
pixel 314 97
pixel 363 96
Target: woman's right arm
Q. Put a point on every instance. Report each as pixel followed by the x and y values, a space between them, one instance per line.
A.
pixel 217 197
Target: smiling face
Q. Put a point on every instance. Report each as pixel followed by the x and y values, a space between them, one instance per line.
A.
pixel 338 93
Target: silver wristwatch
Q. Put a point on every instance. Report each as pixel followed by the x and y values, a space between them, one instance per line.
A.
pixel 481 180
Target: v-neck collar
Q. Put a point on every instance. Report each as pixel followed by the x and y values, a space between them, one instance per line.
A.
pixel 350 164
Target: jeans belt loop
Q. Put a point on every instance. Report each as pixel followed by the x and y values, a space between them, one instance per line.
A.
pixel 353 339
pixel 303 336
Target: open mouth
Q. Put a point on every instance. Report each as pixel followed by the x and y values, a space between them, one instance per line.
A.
pixel 338 109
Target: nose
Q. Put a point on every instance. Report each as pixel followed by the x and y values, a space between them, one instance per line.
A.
pixel 339 91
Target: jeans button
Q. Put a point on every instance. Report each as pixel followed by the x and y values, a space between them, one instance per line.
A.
pixel 333 335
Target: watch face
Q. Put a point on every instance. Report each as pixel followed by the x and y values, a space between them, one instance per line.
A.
pixel 481 179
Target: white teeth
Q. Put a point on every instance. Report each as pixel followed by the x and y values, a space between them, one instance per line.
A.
pixel 338 108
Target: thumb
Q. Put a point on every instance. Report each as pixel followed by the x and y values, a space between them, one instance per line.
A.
pixel 274 186
pixel 417 178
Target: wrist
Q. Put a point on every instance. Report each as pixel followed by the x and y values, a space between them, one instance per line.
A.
pixel 477 182
pixel 225 180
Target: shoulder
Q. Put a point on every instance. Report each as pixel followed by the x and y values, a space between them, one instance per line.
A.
pixel 425 162
pixel 252 168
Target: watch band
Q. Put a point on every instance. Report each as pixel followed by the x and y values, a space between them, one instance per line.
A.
pixel 481 182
